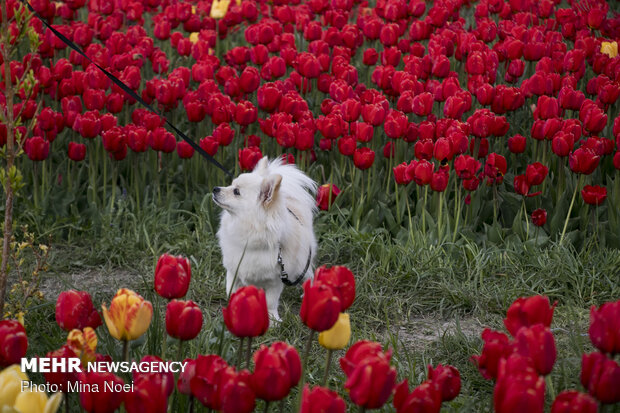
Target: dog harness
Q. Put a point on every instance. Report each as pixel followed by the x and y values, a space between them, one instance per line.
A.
pixel 284 274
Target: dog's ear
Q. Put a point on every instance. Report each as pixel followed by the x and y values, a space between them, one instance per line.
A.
pixel 261 166
pixel 269 189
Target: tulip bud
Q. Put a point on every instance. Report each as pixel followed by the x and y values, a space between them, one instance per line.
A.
pixel 13 342
pixel 320 306
pixel 571 401
pixel 496 347
pixel 525 312
pixel 183 319
pixel 424 398
pixel 447 379
pixel 371 382
pixel 75 310
pixel 604 328
pixel 320 399
pixel 105 400
pixel 601 376
pixel 539 217
pixel 172 276
pixel 326 196
pixel 277 369
pixel 246 314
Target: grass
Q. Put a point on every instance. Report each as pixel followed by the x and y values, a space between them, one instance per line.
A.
pixel 427 303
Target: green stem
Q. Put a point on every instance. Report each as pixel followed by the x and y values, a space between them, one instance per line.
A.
pixel 328 363
pixel 424 212
pixel 190 408
pixel 304 367
pixel 550 386
pixel 570 208
pixel 239 352
pixel 125 350
pixel 439 219
pixel 266 406
pixel 527 221
pixel 457 208
pixel 180 351
pixel 248 353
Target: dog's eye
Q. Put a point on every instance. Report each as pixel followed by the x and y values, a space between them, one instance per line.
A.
pixel 236 191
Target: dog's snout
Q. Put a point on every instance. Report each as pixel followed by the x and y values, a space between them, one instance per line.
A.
pixel 216 189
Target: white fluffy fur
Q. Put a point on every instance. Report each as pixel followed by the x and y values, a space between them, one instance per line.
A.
pixel 272 208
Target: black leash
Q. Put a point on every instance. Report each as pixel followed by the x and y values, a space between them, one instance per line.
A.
pixel 129 91
pixel 284 274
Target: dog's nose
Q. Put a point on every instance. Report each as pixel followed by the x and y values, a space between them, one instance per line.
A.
pixel 216 189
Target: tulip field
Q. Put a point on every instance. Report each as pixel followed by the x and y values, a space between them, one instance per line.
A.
pixel 467 160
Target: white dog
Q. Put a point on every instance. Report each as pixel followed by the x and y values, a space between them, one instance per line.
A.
pixel 266 232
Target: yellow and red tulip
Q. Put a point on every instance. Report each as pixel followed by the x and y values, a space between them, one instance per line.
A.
pixel 129 315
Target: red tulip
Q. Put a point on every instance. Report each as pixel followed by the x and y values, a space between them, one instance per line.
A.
pixel 183 319
pixel 172 276
pixel 245 113
pixel 61 379
pixel 538 343
pixel 526 312
pixel 601 376
pixel 363 158
pixel 77 151
pixel 539 217
pixel 536 173
pixel 185 377
pixel 342 282
pixel 37 148
pixel 360 351
pixel 426 398
pixel 439 180
pixel 235 391
pixel 75 310
pixel 161 140
pixel 604 328
pixel 423 104
pixel 249 157
pixel 423 172
pixel 321 400
pixel 147 395
pixel 320 306
pixel 562 144
pixel 268 97
pixel 204 384
pixel 105 400
pixel 518 391
pixel 516 144
pixel 246 314
pixel 13 342
pixel 583 161
pixel 395 124
pixel 400 174
pixel 370 57
pixel 371 382
pixel 326 196
pixel 496 347
pixel 594 194
pixel 277 370
pixel 495 168
pixel 466 166
pixel 185 150
pixel 572 401
pixel 447 379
